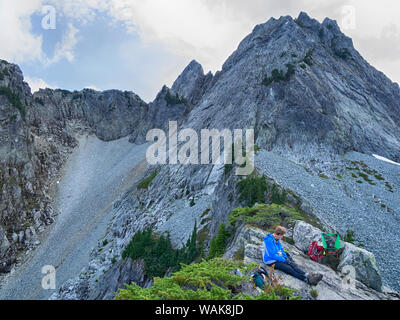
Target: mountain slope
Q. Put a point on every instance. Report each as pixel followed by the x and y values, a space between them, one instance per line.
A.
pixel 319 111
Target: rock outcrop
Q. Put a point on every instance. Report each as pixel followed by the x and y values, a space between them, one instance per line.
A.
pixel 122 272
pixel 361 260
pixel 333 285
pixel 24 167
pixel 364 265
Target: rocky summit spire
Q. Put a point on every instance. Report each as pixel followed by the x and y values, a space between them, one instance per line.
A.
pixel 190 81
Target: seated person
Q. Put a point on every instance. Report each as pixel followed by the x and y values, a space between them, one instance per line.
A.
pixel 275 255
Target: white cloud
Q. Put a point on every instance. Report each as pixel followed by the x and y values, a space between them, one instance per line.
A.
pixel 209 31
pixel 37 83
pixel 18 44
pixel 65 48
pixel 191 29
pixel 81 11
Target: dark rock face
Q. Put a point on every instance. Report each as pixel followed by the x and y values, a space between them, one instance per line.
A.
pixel 19 165
pixel 110 114
pixel 124 271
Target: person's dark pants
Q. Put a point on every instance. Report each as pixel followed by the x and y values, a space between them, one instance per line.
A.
pixel 291 268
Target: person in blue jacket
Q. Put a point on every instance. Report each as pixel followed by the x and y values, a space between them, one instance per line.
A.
pixel 275 255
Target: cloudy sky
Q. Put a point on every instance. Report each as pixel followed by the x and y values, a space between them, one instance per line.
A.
pixel 139 45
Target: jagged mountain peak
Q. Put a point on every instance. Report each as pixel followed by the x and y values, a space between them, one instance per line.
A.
pixel 301 34
pixel 189 81
pixel 303 86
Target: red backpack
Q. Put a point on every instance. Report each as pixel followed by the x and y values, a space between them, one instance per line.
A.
pixel 316 251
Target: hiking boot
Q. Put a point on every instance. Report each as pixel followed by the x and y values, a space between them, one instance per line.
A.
pixel 314 278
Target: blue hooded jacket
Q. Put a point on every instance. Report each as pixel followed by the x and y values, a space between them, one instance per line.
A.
pixel 273 250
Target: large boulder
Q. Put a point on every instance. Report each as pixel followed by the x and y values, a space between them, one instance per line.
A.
pixel 364 264
pixel 249 240
pixel 304 234
pixel 363 261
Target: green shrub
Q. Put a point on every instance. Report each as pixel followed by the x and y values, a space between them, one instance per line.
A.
pixel 308 57
pixel 174 99
pixel 365 177
pixel 265 216
pixel 278 75
pixel 205 212
pixel 157 252
pixel 276 196
pixel 314 293
pixel 145 183
pixel 290 71
pixel 349 236
pixel 252 189
pixel 227 168
pixel 300 24
pixel 389 186
pixel 342 53
pixel 218 244
pixel 208 280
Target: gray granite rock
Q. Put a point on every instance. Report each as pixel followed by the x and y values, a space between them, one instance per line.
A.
pixel 364 264
pixel 304 234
